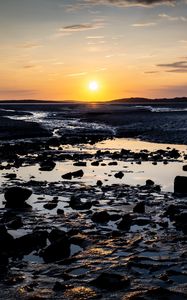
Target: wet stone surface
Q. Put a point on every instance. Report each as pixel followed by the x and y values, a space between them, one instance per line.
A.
pixel 70 237
pixel 85 254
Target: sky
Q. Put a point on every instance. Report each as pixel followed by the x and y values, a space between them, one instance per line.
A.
pixel 53 49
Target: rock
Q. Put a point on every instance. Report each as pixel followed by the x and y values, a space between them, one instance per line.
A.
pixel 60 211
pixel 113 163
pixel 50 205
pixel 78 173
pixel 6 241
pixel 16 223
pixel 184 168
pixel 56 235
pixel 67 176
pixel 80 164
pixel 141 221
pixel 180 185
pixel 3 261
pixel 95 163
pixel 149 183
pixel 30 242
pixel 119 175
pixel 75 174
pixel 47 165
pixel 125 223
pixel 57 250
pixel 139 208
pixel 58 286
pixel 171 211
pixel 99 183
pixel 101 217
pixel 11 176
pixel 111 281
pixel 76 203
pixel 16 196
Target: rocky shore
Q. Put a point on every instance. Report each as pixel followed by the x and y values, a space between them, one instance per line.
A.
pixel 68 239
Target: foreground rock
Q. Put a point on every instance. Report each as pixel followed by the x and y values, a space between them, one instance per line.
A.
pixel 16 196
pixel 180 185
pixel 111 281
pixel 71 175
pixel 59 247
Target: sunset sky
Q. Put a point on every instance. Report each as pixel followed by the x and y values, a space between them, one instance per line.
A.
pixel 53 49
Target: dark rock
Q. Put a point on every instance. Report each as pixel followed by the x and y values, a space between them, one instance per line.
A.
pixel 16 223
pixel 115 217
pixel 57 250
pixel 113 163
pixel 171 211
pixel 3 261
pixel 80 164
pixel 99 183
pixel 125 223
pixel 149 183
pixel 11 176
pixel 78 173
pixel 139 208
pixel 56 235
pixel 180 185
pixel 141 221
pixel 76 203
pixel 58 286
pixel 50 205
pixel 101 217
pixel 95 163
pixel 111 281
pixel 60 211
pixel 67 176
pixel 6 241
pixel 75 174
pixel 119 175
pixel 184 168
pixel 16 196
pixel 47 165
pixel 174 153
pixel 30 242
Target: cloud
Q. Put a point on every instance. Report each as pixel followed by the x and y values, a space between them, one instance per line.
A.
pixel 175 67
pixel 80 27
pixel 29 45
pixel 172 18
pixel 149 24
pixel 85 4
pixel 77 74
pixel 17 92
pixel 128 3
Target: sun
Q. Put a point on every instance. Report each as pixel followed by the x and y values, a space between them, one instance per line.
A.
pixel 93 86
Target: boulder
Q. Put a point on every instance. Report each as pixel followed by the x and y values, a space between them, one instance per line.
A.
pixel 119 175
pixel 76 203
pixel 180 185
pixel 101 217
pixel 58 250
pixel 50 205
pixel 149 183
pixel 16 196
pixel 75 174
pixel 139 208
pixel 30 242
pixel 47 165
pixel 6 241
pixel 125 223
pixel 111 281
